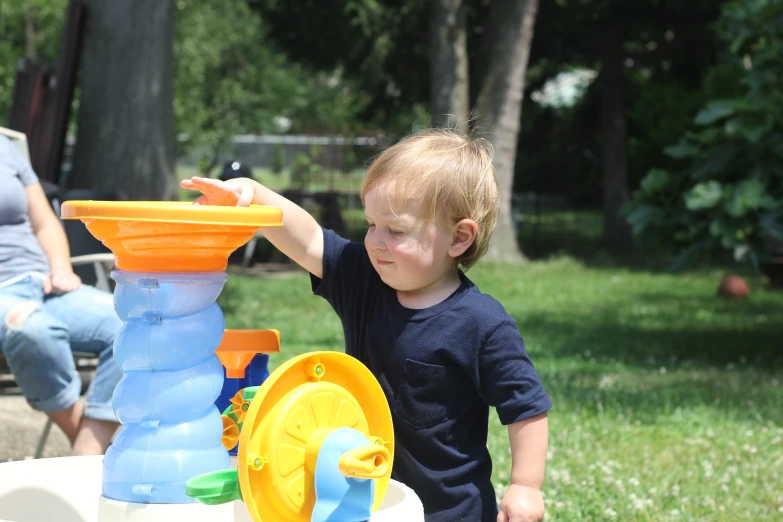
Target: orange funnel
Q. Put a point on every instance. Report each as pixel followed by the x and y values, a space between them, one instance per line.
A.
pixel 156 236
pixel 238 348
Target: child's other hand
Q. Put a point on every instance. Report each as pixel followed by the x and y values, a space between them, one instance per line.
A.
pixel 236 192
pixel 521 504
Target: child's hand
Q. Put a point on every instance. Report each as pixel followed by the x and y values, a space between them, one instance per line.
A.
pixel 236 192
pixel 521 504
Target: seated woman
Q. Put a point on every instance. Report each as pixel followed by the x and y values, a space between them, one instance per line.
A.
pixel 45 313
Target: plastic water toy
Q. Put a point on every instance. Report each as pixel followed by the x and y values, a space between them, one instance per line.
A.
pixel 239 347
pixel 171 258
pixel 66 489
pixel 316 439
pixel 287 437
pixel 244 354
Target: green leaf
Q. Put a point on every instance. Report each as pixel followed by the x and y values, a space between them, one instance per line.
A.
pixel 735 208
pixel 753 131
pixel 732 126
pixel 769 203
pixel 718 161
pixel 714 111
pixel 772 224
pixel 706 135
pixel 727 232
pixel 748 195
pixel 704 195
pixel 756 80
pixel 642 217
pixel 655 180
pixel 683 149
pixel 681 258
pixel 717 227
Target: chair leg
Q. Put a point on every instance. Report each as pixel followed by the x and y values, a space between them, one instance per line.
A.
pixel 101 280
pixel 42 440
pixel 250 248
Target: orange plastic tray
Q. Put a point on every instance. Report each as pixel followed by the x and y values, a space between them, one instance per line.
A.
pixel 156 236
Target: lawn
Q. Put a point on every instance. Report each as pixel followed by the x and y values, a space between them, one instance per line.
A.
pixel 668 402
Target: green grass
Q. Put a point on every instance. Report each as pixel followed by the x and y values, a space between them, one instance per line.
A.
pixel 668 402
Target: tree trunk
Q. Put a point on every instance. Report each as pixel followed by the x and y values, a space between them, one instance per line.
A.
pixel 125 138
pixel 449 65
pixel 616 230
pixel 499 107
pixel 30 49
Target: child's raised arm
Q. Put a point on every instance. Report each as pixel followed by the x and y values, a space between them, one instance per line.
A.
pixel 300 237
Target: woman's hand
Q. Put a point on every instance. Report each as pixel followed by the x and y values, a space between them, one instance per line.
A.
pixel 238 192
pixel 61 282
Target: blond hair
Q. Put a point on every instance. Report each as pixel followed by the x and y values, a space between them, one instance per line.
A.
pixel 453 175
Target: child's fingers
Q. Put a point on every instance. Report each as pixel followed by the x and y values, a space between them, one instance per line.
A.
pixel 198 180
pixel 206 182
pixel 202 184
pixel 245 197
pixel 216 192
pixel 209 187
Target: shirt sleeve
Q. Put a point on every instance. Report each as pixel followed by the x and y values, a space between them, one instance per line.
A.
pixel 507 378
pixel 341 268
pixel 19 163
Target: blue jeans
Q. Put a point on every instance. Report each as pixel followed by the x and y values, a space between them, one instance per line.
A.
pixel 38 345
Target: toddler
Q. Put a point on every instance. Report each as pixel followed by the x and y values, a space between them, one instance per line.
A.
pixel 442 351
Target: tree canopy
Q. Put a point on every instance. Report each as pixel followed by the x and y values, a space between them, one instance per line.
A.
pixel 231 79
pixel 724 189
pixel 700 101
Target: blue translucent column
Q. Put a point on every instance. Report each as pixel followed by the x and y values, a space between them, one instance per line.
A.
pixel 171 428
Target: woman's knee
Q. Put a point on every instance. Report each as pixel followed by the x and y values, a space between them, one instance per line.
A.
pixel 31 333
pixel 17 316
pixel 90 317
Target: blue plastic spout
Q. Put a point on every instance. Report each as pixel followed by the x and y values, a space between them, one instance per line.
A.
pixel 339 498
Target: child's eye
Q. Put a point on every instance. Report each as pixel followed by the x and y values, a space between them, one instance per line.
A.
pixel 370 225
pixel 395 233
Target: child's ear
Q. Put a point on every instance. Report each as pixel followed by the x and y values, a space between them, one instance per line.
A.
pixel 463 233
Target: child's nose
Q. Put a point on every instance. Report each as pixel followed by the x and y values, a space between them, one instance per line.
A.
pixel 374 240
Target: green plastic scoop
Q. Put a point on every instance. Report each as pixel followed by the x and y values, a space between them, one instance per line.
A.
pixel 214 488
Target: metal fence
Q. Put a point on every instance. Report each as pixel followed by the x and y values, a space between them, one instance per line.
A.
pixel 341 153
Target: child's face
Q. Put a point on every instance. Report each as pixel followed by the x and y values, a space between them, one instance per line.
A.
pixel 409 254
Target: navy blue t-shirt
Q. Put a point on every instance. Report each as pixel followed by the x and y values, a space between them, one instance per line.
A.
pixel 441 368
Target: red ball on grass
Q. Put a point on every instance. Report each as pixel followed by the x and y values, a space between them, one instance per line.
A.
pixel 733 287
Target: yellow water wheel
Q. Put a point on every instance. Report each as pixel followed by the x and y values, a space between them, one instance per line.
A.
pixel 290 416
pixel 239 406
pixel 230 433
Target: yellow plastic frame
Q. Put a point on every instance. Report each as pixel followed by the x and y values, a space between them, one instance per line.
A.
pixel 292 412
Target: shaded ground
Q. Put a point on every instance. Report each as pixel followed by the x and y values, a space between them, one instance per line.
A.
pixel 21 426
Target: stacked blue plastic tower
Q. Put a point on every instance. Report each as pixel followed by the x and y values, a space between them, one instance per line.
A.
pixel 171 428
